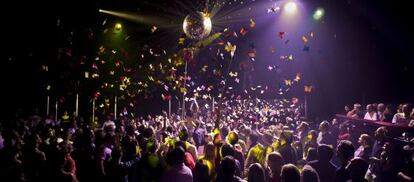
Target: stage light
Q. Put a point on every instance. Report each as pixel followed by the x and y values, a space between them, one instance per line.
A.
pixel 118 27
pixel 290 7
pixel 318 14
pixel 100 10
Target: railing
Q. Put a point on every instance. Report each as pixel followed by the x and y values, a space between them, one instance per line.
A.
pixel 359 126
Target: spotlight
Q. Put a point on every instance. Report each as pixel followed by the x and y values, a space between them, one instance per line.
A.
pixel 118 27
pixel 290 7
pixel 318 14
pixel 100 10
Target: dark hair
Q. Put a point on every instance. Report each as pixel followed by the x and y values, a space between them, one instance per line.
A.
pixel 345 150
pixel 290 173
pixel 148 132
pixel 325 152
pixel 256 173
pixel 312 154
pixel 224 131
pixel 176 156
pixel 287 136
pixel 116 153
pixel 141 129
pixel 254 137
pixel 227 150
pixel 181 144
pixel 201 173
pixel 309 174
pixel 183 135
pixel 275 162
pixel 228 166
pixel 169 129
pixel 357 168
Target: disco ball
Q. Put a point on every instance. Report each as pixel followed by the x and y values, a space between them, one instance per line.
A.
pixel 197 25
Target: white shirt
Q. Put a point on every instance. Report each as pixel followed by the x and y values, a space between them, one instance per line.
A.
pixel 369 117
pixel 397 117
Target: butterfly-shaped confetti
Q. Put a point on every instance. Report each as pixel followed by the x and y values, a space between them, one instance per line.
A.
pixel 288 82
pixel 297 77
pixel 252 23
pixel 308 88
pixel 281 35
pixel 304 39
pixel 153 29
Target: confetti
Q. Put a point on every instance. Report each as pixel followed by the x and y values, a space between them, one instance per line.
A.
pixel 233 74
pixel 45 68
pixel 304 39
pixel 297 77
pixel 153 29
pixel 273 9
pixel 181 41
pixel 229 47
pixel 252 54
pixel 288 82
pixel 204 68
pixel 252 23
pixel 290 58
pixel 308 88
pixel 243 31
pixel 281 35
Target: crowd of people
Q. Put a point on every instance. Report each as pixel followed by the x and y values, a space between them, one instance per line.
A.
pixel 240 140
pixel 403 115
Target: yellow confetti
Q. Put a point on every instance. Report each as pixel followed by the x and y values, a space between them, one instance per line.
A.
pixel 183 90
pixel 228 47
pixel 181 41
pixel 153 29
pixel 304 39
pixel 311 34
pixel 252 23
pixel 112 72
pixel 288 82
pixel 86 74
